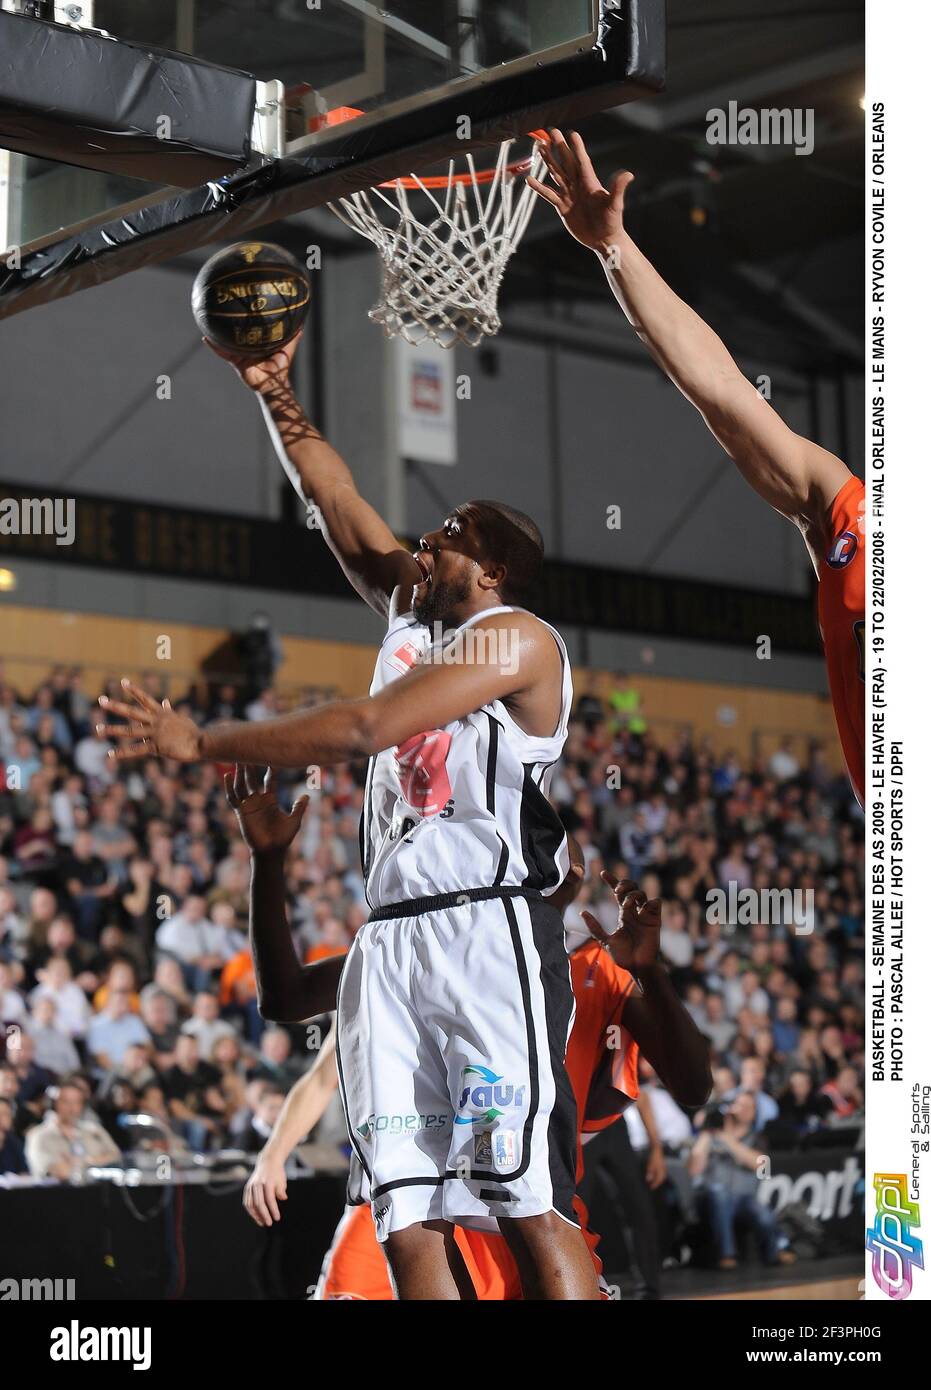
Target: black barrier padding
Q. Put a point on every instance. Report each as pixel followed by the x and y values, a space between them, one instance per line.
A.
pixel 76 97
pixel 168 1242
pixel 627 61
pixel 149 538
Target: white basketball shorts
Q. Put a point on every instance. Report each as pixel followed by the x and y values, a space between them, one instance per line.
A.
pixel 452 1024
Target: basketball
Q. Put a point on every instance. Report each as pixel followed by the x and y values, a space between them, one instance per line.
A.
pixel 251 298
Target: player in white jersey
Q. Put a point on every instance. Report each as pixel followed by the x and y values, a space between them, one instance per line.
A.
pixel 455 1002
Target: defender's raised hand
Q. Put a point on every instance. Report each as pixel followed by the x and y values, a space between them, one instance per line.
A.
pixel 152 729
pixel 266 828
pixel 635 944
pixel 593 214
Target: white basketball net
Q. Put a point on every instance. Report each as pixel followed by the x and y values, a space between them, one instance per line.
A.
pixel 441 275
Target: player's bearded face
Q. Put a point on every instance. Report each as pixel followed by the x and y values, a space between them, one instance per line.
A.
pixel 449 559
pixel 441 599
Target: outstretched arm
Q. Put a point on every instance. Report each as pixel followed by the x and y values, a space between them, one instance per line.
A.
pixel 656 1172
pixel 656 1018
pixel 288 992
pixel 371 558
pixel 305 1103
pixel 472 674
pixel 794 475
pixel 672 1044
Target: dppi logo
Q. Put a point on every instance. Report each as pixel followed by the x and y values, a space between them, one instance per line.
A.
pixel 487 1096
pixel 895 1250
pixel 842 551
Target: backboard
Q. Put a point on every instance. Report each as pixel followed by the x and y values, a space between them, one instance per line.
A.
pixel 413 69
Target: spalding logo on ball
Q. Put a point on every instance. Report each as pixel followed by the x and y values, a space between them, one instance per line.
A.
pixel 251 298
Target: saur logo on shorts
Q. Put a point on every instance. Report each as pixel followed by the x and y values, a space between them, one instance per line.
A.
pixel 842 551
pixel 488 1100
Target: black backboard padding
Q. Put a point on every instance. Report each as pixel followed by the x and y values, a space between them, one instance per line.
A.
pixel 79 98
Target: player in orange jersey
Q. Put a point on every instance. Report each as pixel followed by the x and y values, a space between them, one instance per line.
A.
pixel 798 478
pixel 623 998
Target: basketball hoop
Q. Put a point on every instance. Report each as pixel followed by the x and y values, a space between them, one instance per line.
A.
pixel 444 242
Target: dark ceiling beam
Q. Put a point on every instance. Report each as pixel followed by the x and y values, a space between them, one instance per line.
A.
pixel 776 16
pixel 664 114
pixel 847 345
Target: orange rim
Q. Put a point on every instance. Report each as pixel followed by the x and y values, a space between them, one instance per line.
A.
pixel 341 114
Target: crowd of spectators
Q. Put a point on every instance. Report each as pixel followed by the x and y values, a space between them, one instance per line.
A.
pixel 777 985
pixel 127 996
pixel 126 986
pixel 760 868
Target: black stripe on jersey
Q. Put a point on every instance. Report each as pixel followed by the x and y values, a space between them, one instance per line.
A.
pixel 533 1061
pixel 502 863
pixel 343 1095
pixel 356 1186
pixel 541 833
pixel 365 828
pixel 559 1003
pixel 492 767
pixel 411 1182
pixel 491 772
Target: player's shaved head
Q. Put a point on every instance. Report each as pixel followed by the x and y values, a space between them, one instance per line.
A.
pixel 512 539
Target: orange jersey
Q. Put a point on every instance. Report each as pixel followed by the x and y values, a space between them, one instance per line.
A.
pixel 841 604
pixel 238 970
pixel 601 1058
pixel 602 1067
pixel 315 953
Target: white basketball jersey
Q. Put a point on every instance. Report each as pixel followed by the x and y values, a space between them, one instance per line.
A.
pixel 463 806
